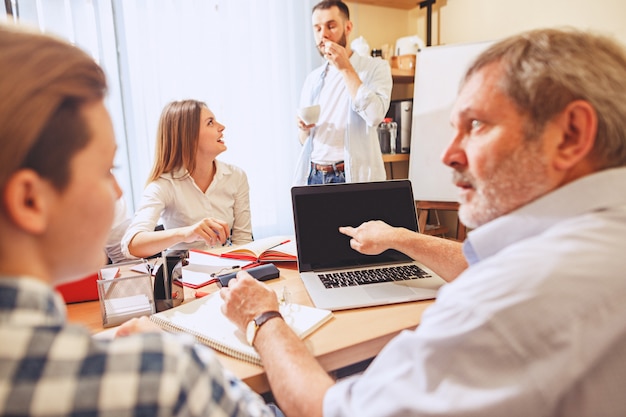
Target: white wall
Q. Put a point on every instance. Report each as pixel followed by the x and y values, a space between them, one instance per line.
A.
pixel 457 21
pixel 379 25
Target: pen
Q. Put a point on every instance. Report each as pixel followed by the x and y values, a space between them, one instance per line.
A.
pixel 225 270
pixel 278 244
pixel 149 266
pixel 252 265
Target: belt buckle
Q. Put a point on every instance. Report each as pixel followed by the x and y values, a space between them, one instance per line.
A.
pixel 327 167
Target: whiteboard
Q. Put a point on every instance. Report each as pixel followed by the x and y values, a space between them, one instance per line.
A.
pixel 438 72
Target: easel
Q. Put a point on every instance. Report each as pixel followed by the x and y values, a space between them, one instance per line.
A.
pixel 429 17
pixel 424 207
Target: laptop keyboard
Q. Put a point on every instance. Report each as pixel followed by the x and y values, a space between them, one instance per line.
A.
pixel 372 276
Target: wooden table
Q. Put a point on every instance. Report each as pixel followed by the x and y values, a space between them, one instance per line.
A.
pixel 350 337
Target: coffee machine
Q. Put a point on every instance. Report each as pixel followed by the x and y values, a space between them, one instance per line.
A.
pixel 401 111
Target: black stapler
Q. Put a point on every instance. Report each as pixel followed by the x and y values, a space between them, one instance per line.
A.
pixel 261 272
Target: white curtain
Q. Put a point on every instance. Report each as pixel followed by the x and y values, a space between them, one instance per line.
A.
pixel 246 59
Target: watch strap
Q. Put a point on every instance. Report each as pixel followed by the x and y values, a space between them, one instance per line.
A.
pixel 256 323
pixel 263 317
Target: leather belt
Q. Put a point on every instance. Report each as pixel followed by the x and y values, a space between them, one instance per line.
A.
pixel 338 166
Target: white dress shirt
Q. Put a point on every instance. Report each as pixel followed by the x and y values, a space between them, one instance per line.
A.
pixel 121 222
pixel 177 201
pixel 536 326
pixel 361 153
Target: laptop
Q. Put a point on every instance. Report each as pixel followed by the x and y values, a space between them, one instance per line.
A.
pixel 326 262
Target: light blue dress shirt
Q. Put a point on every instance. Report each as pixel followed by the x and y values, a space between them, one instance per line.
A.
pixel 536 326
pixel 362 155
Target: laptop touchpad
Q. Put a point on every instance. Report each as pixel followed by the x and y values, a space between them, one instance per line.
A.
pixel 385 291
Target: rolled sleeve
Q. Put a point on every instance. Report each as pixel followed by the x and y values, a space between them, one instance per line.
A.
pixel 374 95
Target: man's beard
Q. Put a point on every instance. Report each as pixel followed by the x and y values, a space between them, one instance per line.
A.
pixel 516 181
pixel 342 41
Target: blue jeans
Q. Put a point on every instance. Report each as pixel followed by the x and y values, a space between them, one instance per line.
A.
pixel 321 177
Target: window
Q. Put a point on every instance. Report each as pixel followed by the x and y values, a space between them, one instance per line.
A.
pixel 246 59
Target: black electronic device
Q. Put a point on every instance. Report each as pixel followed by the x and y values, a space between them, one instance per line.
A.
pixel 261 272
pixel 168 288
pixel 401 111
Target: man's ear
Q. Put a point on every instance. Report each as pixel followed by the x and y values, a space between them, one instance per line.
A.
pixel 579 124
pixel 26 201
pixel 348 31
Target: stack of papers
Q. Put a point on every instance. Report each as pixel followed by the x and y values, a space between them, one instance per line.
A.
pixel 203 268
pixel 109 273
pixel 125 308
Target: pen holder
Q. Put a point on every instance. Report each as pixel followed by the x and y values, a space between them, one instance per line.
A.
pixel 124 294
pixel 168 287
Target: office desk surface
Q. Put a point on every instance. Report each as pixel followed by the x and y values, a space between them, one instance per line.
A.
pixel 350 337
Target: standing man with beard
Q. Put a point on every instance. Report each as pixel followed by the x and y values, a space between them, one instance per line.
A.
pixel 353 92
pixel 533 320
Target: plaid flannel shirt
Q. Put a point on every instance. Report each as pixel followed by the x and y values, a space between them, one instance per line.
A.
pixel 50 368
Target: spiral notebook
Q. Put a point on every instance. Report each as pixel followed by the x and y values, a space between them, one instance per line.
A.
pixel 203 319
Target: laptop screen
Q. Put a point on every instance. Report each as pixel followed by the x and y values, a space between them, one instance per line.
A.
pixel 319 210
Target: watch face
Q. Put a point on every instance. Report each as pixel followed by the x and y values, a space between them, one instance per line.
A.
pixel 250 332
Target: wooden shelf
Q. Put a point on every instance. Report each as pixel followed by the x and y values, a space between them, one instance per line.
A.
pixel 403 75
pixel 394 4
pixel 396 165
pixel 395 157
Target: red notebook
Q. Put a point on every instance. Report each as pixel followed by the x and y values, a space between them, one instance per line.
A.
pixel 84 289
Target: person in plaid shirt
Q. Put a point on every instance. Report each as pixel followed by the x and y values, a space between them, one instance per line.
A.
pixel 56 209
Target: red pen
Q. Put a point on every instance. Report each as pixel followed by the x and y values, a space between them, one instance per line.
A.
pixel 251 265
pixel 281 243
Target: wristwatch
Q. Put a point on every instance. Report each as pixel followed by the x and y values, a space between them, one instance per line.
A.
pixel 254 325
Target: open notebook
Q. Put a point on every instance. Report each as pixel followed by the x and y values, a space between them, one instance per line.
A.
pixel 203 319
pixel 269 249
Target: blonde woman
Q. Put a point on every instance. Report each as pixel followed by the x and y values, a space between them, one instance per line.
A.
pixel 201 201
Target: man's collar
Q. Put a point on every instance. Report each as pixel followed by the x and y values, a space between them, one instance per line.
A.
pixel 593 192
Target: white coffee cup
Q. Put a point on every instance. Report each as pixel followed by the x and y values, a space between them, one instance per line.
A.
pixel 309 115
